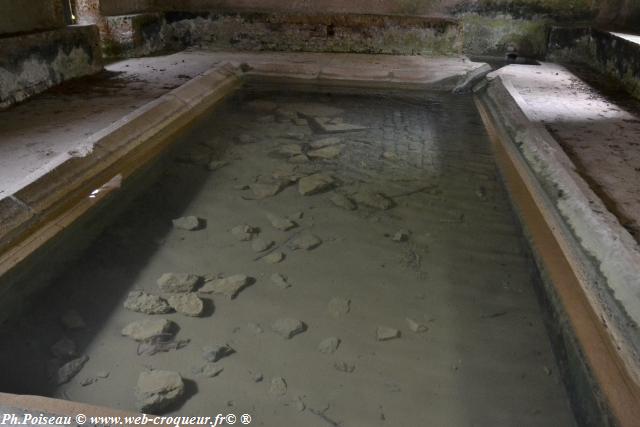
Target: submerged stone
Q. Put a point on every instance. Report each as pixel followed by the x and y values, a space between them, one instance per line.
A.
pixel 274 257
pixel 157 390
pixel 143 302
pixel 416 326
pixel 325 142
pixel 343 202
pixel 280 223
pixel 188 304
pixel 64 349
pixel 244 232
pixel 326 153
pixel 384 333
pixel 280 281
pixel 263 191
pixel 260 245
pixel 373 200
pixel 288 327
pixel 329 345
pixel 278 386
pixel 227 286
pixel 146 329
pixel 338 307
pixel 178 282
pixel 71 319
pixel 213 353
pixel 188 223
pixel 306 241
pixel 314 184
pixel 70 369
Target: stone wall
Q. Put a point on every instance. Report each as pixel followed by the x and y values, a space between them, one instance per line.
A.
pixel 566 8
pixel 34 62
pixel 21 16
pixel 608 53
pixel 490 27
pixel 141 34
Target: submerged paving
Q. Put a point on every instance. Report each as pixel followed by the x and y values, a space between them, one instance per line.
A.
pixel 412 300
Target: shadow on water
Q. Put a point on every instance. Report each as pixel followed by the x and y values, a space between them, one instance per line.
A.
pixel 131 226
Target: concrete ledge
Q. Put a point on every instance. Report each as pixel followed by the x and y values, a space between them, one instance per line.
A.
pixel 38 212
pixel 32 63
pixel 609 53
pixel 593 262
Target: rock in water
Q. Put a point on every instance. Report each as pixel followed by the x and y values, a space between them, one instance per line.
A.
pixel 260 245
pixel 343 202
pixel 244 232
pixel 338 307
pixel 287 328
pixel 290 149
pixel 274 257
pixel 384 333
pixel 401 236
pixel 334 125
pixel 228 286
pixel 300 158
pixel 64 349
pixel 245 138
pixel 299 404
pixel 325 142
pixel 263 191
pixel 314 184
pixel 281 223
pixel 70 369
pixel 373 200
pixel 345 367
pixel 143 302
pixel 416 327
pixel 188 223
pixel 326 153
pixel 72 320
pixel 329 345
pixel 188 304
pixel 278 386
pixel 213 353
pixel 217 164
pixel 158 389
pixel 305 241
pixel 209 370
pixel 146 329
pixel 174 283
pixel 280 281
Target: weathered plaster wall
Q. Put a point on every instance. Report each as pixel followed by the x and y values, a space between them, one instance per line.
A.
pixel 490 27
pixel 140 34
pixel 609 54
pixel 34 62
pixel 569 8
pixel 20 16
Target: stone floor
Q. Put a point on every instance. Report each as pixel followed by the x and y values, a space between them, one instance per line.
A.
pixel 41 133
